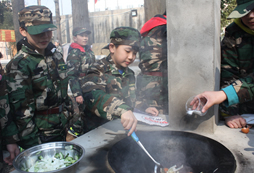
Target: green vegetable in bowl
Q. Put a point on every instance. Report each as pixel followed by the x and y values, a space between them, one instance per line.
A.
pixel 47 163
pixel 40 157
pixel 70 147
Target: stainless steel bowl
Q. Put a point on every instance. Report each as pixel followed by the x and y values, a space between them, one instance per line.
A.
pixel 28 157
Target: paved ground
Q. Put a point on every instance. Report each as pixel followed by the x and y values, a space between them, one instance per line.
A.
pixel 7 169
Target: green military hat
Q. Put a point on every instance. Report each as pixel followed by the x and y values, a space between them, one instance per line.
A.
pixel 36 19
pixel 125 36
pixel 243 8
pixel 80 30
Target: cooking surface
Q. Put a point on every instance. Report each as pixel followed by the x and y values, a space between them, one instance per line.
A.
pixel 195 152
pixel 98 142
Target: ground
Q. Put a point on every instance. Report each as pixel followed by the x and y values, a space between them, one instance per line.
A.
pixel 7 168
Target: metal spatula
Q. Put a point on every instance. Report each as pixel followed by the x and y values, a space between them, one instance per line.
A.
pixel 159 166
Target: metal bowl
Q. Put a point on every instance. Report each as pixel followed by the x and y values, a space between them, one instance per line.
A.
pixel 28 158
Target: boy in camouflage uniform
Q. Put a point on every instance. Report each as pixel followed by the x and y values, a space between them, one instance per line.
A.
pixel 237 68
pixel 38 83
pixel 109 86
pixel 59 47
pixel 152 82
pixel 80 57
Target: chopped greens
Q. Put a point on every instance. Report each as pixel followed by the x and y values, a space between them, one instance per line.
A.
pixel 70 147
pixel 173 169
pixel 47 163
pixel 38 153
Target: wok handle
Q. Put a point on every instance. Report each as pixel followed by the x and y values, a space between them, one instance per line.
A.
pixel 134 136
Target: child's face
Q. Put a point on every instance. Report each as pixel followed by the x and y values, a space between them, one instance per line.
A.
pixel 56 44
pixel 81 39
pixel 248 20
pixel 123 55
pixel 38 41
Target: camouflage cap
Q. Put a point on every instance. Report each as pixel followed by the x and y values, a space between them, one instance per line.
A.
pixel 80 30
pixel 243 8
pixel 36 19
pixel 125 36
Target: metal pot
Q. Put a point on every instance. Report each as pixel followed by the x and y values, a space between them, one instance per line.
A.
pixel 195 152
pixel 28 157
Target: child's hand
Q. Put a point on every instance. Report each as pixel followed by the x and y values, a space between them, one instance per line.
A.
pixel 129 121
pixel 236 121
pixel 14 151
pixel 153 111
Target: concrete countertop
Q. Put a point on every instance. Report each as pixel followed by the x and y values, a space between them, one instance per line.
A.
pixel 98 141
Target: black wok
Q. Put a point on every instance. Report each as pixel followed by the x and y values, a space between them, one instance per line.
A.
pixel 195 152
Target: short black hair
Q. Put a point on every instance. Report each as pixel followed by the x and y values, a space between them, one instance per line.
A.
pixel 1 55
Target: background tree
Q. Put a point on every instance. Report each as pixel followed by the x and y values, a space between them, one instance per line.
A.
pixel 154 7
pixel 6 21
pixel 17 5
pixel 58 21
pixel 227 7
pixel 80 15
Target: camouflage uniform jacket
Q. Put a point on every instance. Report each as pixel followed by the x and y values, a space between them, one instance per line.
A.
pixel 153 51
pixel 59 49
pixel 38 83
pixel 5 116
pixel 108 93
pixel 237 62
pixel 78 61
pixel 151 91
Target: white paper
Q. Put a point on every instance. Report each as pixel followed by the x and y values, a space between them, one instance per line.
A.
pixel 249 118
pixel 151 120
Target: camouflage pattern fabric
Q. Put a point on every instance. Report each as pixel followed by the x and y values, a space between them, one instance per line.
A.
pixel 5 116
pixel 78 63
pixel 153 90
pixel 36 19
pixel 59 49
pixel 243 8
pixel 237 69
pixel 38 83
pixel 79 30
pixel 153 51
pixel 151 93
pixel 107 93
pixel 125 36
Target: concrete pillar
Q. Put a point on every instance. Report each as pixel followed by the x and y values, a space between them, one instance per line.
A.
pixel 193 29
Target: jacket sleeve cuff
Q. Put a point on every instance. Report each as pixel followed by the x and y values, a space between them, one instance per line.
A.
pixel 122 109
pixel 11 139
pixel 232 97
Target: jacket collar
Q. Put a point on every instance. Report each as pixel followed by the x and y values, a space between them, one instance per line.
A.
pixel 243 27
pixel 114 69
pixel 77 46
pixel 26 47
